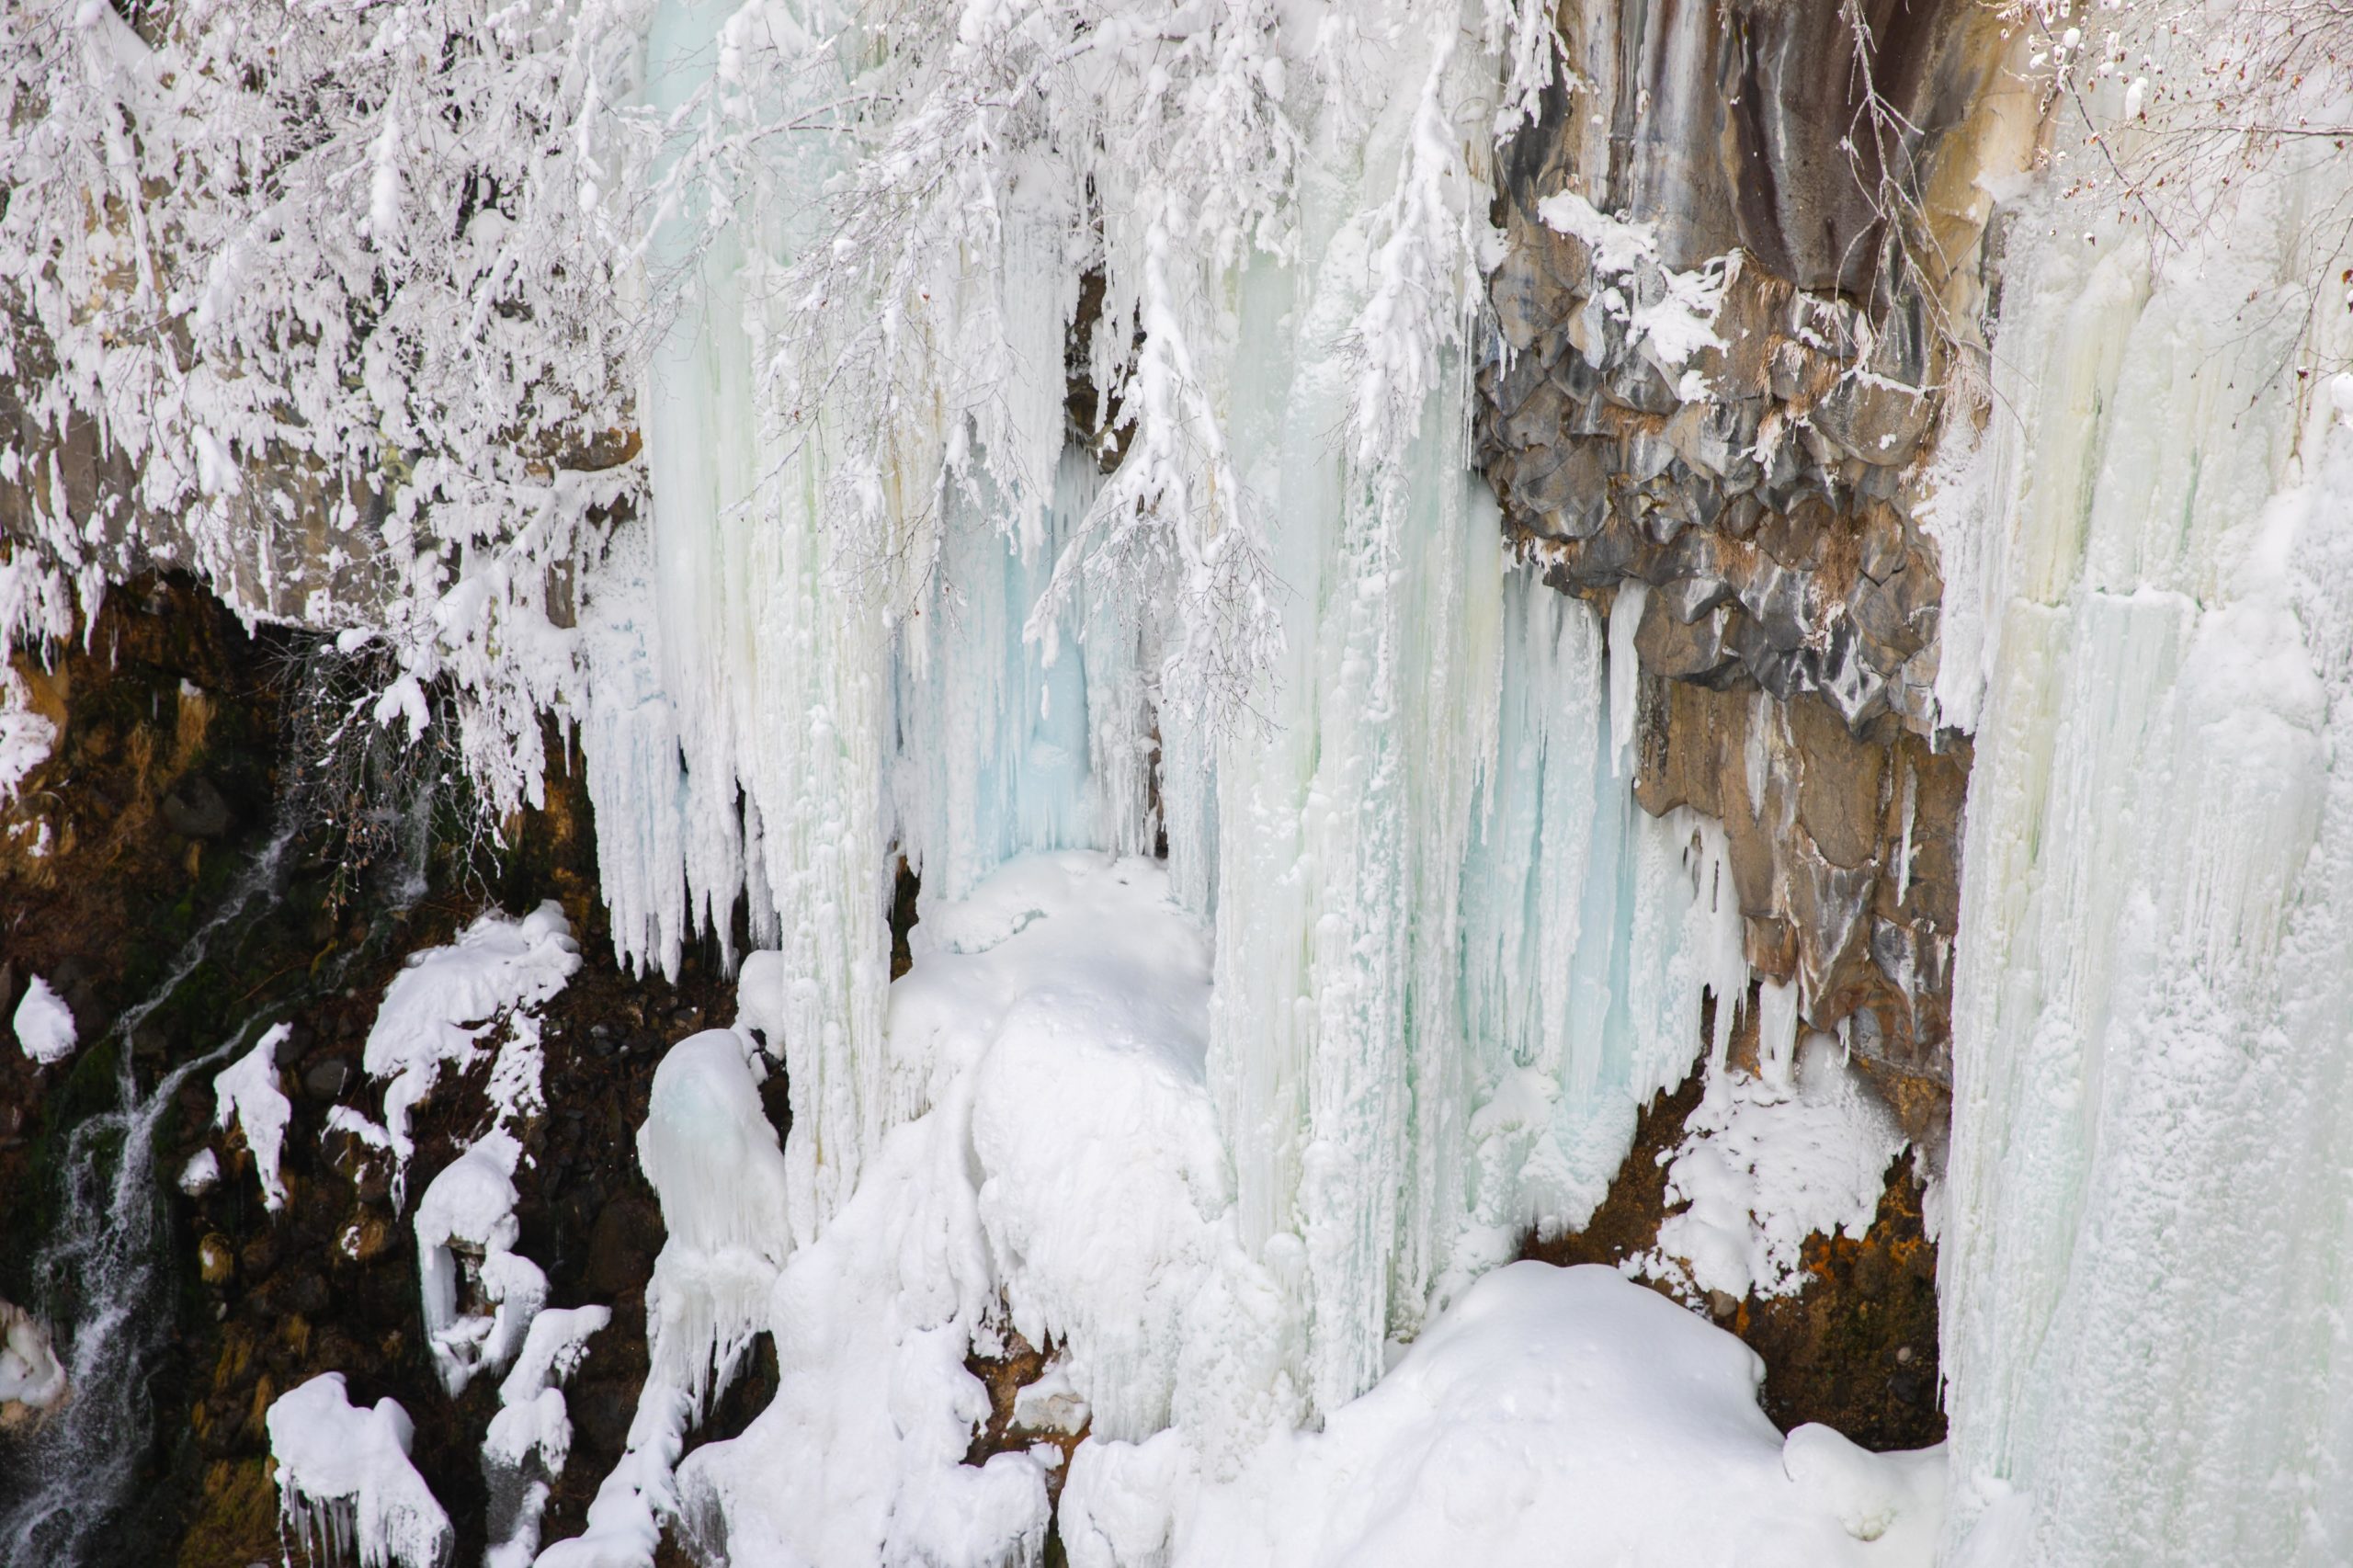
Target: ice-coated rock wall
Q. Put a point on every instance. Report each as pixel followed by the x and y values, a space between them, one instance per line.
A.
pixel 1735 299
pixel 2147 1261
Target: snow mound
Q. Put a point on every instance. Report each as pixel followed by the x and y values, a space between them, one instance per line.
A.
pixel 344 1484
pixel 31 1381
pixel 201 1173
pixel 1089 1103
pixel 1066 1168
pixel 443 1010
pixel 246 1093
pixel 470 1207
pixel 44 1024
pixel 1768 1160
pixel 1552 1416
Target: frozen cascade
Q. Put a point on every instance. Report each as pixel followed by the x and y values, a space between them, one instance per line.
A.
pixel 1393 1116
pixel 1452 959
pixel 2145 1267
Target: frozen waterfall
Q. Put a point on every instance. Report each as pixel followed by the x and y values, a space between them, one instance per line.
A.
pixel 2150 619
pixel 1451 958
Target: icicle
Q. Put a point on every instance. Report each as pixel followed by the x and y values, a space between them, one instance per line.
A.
pixel 1625 671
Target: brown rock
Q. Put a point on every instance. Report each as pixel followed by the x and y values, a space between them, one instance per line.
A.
pixel 621 1247
pixel 1840 783
pixel 365 1237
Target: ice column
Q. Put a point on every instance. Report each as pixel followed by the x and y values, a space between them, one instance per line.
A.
pixel 1424 824
pixel 750 673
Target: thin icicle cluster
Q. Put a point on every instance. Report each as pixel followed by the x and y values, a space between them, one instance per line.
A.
pixel 346 1489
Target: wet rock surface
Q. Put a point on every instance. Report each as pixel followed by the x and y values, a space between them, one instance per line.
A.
pixel 1855 1347
pixel 332 1282
pixel 1844 856
pixel 1734 302
pixel 172 718
pixel 1759 483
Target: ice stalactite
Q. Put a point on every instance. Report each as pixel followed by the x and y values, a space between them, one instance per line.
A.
pixel 2146 1267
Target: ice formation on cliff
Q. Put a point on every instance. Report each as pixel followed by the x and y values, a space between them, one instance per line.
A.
pixel 802 662
pixel 1068 1182
pixel 43 1023
pixel 1800 1148
pixel 246 1093
pixel 530 1438
pixel 470 1204
pixel 2149 617
pixel 1452 959
pixel 443 1010
pixel 31 1378
pixel 26 736
pixel 346 1486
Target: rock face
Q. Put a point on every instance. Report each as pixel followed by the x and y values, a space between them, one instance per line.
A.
pixel 1845 855
pixel 1739 304
pixel 174 736
pixel 1735 301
